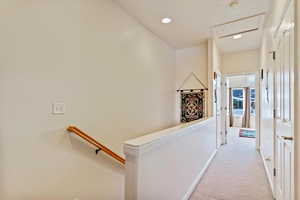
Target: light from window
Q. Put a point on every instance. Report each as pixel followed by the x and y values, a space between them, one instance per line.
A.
pixel 238 102
pixel 252 101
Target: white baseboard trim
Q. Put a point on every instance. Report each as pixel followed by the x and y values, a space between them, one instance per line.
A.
pixel 267 172
pixel 199 176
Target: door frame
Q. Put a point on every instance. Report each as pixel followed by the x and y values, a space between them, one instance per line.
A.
pixel 257 104
pixel 218 113
pixel 224 108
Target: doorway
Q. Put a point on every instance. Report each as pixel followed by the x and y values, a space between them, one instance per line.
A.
pixel 242 104
pixel 240 108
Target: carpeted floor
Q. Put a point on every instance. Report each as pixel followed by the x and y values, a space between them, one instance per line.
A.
pixel 236 173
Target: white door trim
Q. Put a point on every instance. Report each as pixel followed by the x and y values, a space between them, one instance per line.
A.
pixel 257 102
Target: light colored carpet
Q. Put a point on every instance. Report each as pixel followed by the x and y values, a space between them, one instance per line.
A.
pixel 236 173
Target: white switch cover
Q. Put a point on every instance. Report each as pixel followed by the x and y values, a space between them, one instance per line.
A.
pixel 58 108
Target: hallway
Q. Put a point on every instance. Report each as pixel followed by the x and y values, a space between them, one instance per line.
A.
pixel 237 173
pixel 130 100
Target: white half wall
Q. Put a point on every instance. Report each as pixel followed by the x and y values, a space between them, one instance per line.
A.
pixel 167 165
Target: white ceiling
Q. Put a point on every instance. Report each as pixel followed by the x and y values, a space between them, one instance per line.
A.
pixel 193 20
pixel 249 40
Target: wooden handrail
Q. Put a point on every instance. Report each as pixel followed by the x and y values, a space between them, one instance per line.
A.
pixel 94 142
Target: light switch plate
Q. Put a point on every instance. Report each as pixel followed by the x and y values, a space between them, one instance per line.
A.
pixel 58 108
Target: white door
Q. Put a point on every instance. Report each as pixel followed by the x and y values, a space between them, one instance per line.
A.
pixel 284 107
pixel 218 101
pixel 224 109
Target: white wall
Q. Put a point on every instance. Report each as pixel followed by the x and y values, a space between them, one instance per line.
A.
pixel 266 113
pixel 168 164
pixel 216 57
pixel 189 60
pixel 115 77
pixel 240 62
pixel 214 65
pixel 241 81
pixel 297 102
pixel 193 59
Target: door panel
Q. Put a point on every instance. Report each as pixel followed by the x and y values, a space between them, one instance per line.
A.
pixel 280 175
pixel 218 109
pixel 284 107
pixel 286 77
pixel 278 83
pixel 287 171
pixel 224 109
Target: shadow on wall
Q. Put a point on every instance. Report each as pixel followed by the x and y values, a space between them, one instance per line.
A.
pixel 67 142
pixel 67 168
pixel 81 147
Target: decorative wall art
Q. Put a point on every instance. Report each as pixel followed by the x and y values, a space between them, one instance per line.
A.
pixel 192 101
pixel 192 106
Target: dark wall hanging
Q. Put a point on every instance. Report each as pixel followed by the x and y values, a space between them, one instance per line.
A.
pixel 192 101
pixel 192 106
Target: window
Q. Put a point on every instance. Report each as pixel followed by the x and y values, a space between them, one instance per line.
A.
pixel 252 101
pixel 238 101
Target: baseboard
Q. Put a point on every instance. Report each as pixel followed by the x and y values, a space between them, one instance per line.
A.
pixel 199 176
pixel 267 172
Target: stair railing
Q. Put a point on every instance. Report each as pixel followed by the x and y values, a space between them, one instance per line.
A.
pixel 99 146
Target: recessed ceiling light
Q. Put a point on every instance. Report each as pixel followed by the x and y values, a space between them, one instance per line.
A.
pixel 166 20
pixel 238 36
